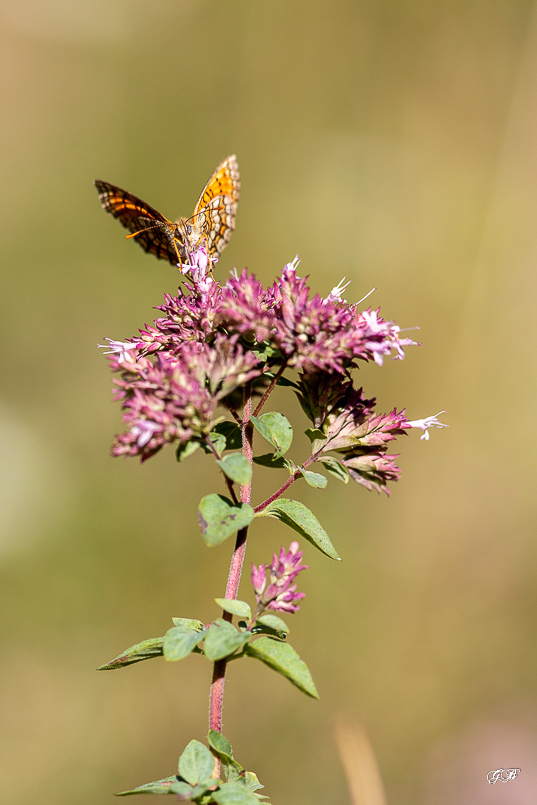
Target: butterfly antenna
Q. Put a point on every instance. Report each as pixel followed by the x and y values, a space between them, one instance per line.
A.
pixel 133 234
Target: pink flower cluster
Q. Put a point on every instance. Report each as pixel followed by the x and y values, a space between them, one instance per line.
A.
pixel 281 593
pixel 214 338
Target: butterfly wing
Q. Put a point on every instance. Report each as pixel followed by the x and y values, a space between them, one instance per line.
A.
pixel 215 211
pixel 135 215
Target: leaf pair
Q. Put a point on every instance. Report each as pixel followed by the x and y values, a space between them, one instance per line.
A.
pixel 222 639
pixel 195 781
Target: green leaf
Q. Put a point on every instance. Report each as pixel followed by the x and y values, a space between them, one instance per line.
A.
pixel 219 443
pixel 264 352
pixel 158 787
pixel 268 460
pixel 219 743
pixel 179 642
pixel 276 429
pixel 185 449
pixel 235 793
pixel 282 380
pixel 196 763
pixel 145 650
pixel 223 639
pixel 234 607
pixel 314 434
pixel 185 790
pixel 222 747
pixel 335 468
pixel 302 520
pixel 283 658
pixel 251 781
pixel 273 622
pixel 314 479
pixel 188 623
pixel 219 518
pixel 232 433
pixel 237 467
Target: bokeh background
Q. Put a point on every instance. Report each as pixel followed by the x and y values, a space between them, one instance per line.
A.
pixel 394 143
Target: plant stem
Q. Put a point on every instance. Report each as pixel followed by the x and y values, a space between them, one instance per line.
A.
pixel 229 482
pixel 216 700
pixel 294 477
pixel 267 393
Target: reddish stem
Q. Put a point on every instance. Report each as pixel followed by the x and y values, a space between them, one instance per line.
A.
pixel 286 485
pixel 267 393
pixel 219 669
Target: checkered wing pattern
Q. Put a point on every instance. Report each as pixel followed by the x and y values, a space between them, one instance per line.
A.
pixel 155 232
pixel 213 219
pixel 214 214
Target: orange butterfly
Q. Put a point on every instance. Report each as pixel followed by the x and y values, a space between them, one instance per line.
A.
pixel 212 221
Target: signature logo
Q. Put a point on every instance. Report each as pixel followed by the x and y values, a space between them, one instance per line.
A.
pixel 503 775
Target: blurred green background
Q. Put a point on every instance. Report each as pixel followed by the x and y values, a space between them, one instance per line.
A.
pixel 394 143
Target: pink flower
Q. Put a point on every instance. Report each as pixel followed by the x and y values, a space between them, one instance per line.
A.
pixel 281 594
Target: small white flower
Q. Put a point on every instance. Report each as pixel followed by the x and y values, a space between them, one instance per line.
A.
pixel 428 422
pixel 119 347
pixel 335 294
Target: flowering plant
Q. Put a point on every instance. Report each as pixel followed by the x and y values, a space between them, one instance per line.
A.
pixel 199 377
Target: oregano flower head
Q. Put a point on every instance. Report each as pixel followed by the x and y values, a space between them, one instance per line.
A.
pixel 178 376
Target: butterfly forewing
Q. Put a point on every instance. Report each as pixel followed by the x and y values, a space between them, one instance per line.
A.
pixel 155 232
pixel 213 218
pixel 215 211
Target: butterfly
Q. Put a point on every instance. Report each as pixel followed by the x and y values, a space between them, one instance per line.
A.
pixel 211 223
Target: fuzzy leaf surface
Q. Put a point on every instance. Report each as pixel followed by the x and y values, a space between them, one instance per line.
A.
pixel 237 467
pixel 276 429
pixel 283 658
pixel 219 743
pixel 234 607
pixel 223 639
pixel 273 622
pixel 314 479
pixel 185 449
pixel 157 787
pixel 223 749
pixel 145 650
pixel 196 764
pixel 219 518
pixel 303 521
pixel 232 434
pixel 315 435
pixel 335 468
pixel 234 794
pixel 192 624
pixel 218 441
pixel 180 642
pixel 184 790
pixel 268 460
